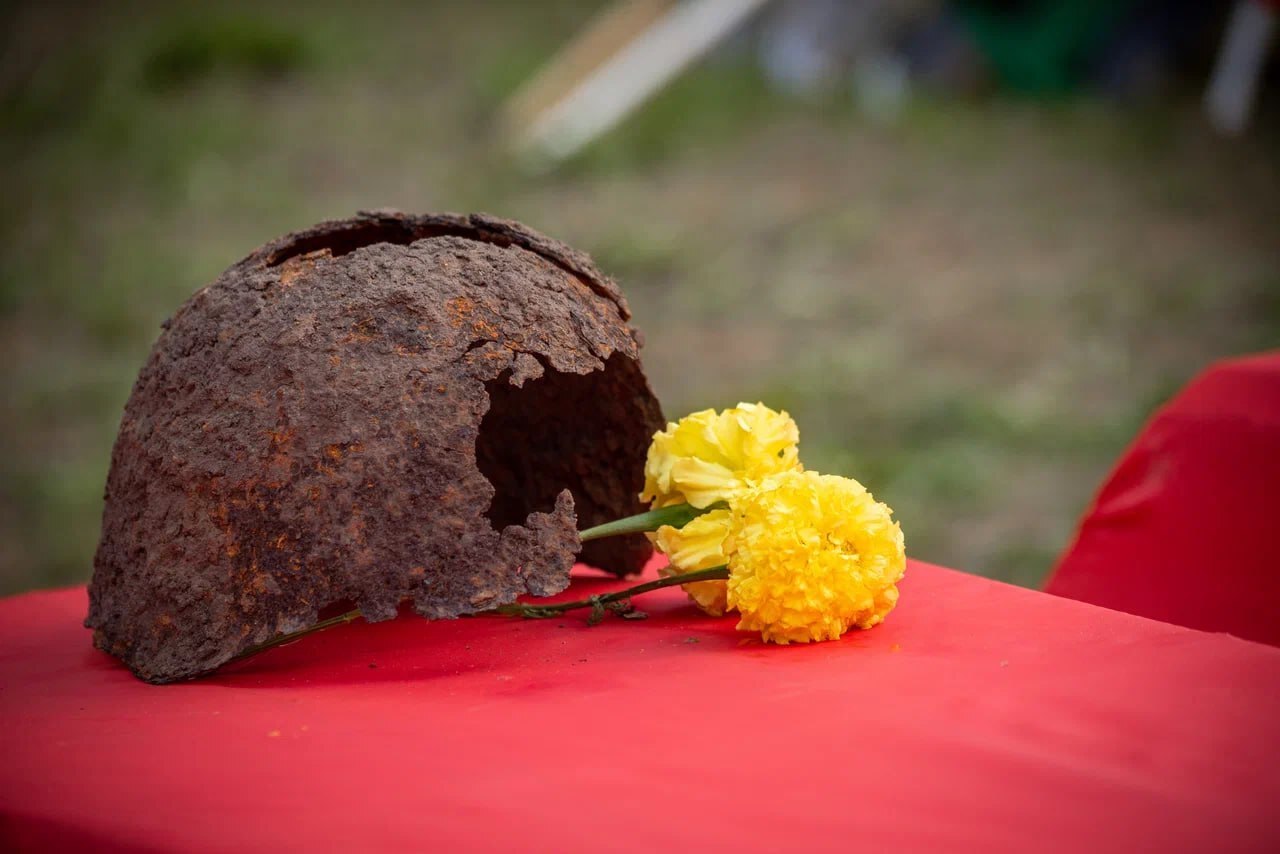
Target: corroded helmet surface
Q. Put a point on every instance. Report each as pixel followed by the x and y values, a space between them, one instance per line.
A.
pixel 375 410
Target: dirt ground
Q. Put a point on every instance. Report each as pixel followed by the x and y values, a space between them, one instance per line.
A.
pixel 972 310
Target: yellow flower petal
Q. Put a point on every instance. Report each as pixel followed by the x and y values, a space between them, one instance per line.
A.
pixel 698 545
pixel 811 556
pixel 704 483
pixel 711 456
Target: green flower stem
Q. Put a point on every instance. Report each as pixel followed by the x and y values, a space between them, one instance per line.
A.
pixel 279 640
pixel 521 609
pixel 677 516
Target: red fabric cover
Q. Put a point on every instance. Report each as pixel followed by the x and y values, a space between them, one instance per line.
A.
pixel 1187 527
pixel 979 717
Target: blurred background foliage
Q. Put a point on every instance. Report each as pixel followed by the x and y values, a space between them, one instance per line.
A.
pixel 971 307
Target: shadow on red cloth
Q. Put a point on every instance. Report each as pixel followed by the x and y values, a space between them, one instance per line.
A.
pixel 410 648
pixel 1187 527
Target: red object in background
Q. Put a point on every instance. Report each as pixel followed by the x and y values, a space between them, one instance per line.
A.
pixel 978 717
pixel 1187 527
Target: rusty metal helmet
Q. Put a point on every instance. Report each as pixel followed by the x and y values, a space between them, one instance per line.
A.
pixel 383 409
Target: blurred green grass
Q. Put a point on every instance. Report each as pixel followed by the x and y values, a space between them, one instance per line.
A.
pixel 972 310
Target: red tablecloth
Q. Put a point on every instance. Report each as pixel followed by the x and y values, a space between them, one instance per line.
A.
pixel 1187 527
pixel 978 717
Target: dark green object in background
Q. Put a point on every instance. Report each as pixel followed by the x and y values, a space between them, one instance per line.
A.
pixel 1040 47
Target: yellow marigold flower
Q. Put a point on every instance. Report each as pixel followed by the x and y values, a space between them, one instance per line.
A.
pixel 698 545
pixel 705 458
pixel 714 456
pixel 810 556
